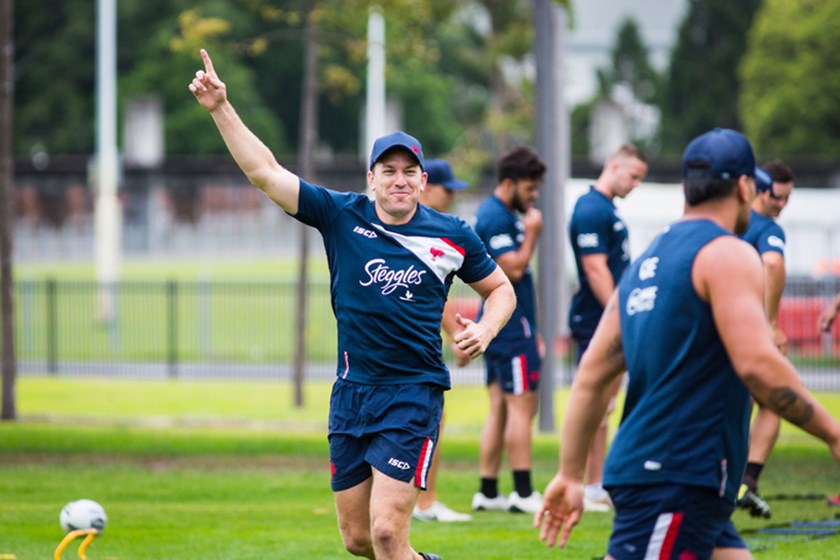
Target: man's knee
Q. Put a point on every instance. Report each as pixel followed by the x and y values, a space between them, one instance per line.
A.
pixel 358 544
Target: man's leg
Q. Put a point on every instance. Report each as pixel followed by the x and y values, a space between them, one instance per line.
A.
pixel 391 504
pixel 490 451
pixel 353 509
pixel 521 411
pixel 731 554
pixel 596 497
pixel 763 436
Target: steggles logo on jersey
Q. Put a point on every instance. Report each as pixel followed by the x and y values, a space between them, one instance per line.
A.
pixel 380 273
pixel 436 253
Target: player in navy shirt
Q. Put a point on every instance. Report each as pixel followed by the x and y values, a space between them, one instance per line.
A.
pixel 687 322
pixel 509 225
pixel 774 185
pixel 391 264
pixel 601 246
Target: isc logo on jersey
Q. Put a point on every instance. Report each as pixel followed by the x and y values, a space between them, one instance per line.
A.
pixel 380 274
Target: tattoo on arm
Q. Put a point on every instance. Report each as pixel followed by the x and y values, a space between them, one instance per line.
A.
pixel 791 406
pixel 615 353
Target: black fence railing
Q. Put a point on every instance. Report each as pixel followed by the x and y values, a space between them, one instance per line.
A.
pixel 248 329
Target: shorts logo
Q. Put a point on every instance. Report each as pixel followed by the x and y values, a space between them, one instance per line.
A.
pixel 640 300
pixel 402 465
pixel 380 273
pixel 587 240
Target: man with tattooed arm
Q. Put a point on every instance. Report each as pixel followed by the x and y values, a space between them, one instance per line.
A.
pixel 687 322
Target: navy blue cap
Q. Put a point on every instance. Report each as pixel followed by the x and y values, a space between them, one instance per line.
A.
pixel 398 139
pixel 727 153
pixel 763 181
pixel 440 173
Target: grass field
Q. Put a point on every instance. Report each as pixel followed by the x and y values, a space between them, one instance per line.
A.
pixel 208 470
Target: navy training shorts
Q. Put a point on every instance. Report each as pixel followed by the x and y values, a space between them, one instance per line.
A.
pixel 670 522
pixel 516 368
pixel 391 428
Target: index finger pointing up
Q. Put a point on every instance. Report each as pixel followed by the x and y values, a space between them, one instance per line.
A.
pixel 208 64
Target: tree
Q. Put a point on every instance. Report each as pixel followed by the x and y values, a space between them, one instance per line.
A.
pixel 630 65
pixel 789 100
pixel 631 69
pixel 702 87
pixel 9 363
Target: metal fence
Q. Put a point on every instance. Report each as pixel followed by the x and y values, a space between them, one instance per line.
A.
pixel 217 329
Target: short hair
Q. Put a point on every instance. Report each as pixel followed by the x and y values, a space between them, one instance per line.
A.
pixel 629 151
pixel 699 187
pixel 521 163
pixel 779 171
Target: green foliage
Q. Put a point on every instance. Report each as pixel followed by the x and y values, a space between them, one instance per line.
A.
pixel 631 63
pixel 703 89
pixel 54 76
pixel 789 101
pixel 444 69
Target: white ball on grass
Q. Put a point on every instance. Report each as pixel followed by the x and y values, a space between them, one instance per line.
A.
pixel 83 514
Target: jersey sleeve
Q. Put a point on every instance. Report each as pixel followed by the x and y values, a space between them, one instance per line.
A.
pixel 478 264
pixel 497 232
pixel 590 231
pixel 318 206
pixel 772 239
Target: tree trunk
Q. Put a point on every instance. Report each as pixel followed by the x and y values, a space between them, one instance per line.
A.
pixel 8 411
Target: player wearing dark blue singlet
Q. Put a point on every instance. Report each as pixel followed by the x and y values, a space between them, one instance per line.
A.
pixel 688 324
pixel 774 185
pixel 391 263
pixel 601 246
pixel 510 225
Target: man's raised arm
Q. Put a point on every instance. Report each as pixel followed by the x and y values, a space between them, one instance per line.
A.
pixel 253 157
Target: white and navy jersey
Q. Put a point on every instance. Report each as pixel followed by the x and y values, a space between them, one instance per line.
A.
pixel 502 231
pixel 595 228
pixel 389 284
pixel 686 413
pixel 764 234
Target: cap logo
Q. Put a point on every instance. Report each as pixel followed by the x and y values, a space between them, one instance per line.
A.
pixel 415 149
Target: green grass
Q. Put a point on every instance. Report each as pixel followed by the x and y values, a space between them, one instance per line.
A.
pixel 209 470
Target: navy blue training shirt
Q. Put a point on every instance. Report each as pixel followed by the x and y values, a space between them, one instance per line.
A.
pixel 502 231
pixel 389 284
pixel 595 228
pixel 686 413
pixel 764 234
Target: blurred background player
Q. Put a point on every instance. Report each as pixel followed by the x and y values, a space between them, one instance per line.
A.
pixel 439 195
pixel 600 242
pixel 389 364
pixel 773 185
pixel 510 225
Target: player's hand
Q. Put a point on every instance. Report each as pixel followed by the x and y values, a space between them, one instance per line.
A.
pixel 533 221
pixel 780 339
pixel 207 88
pixel 461 357
pixel 826 318
pixel 473 338
pixel 561 510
